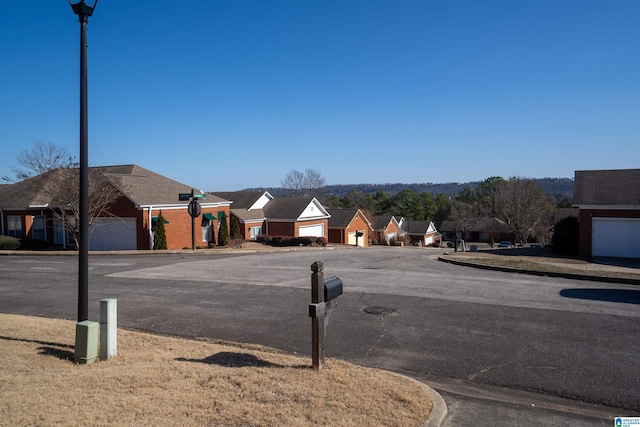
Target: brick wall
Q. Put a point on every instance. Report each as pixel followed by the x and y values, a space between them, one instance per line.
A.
pixel 178 229
pixel 586 227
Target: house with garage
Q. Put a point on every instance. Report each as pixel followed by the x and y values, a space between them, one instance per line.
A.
pixel 608 203
pixel 349 227
pixel 422 233
pixel 247 207
pixel 386 229
pixel 478 229
pixel 31 209
pixel 261 213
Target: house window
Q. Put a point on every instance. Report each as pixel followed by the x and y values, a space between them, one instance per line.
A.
pixel 14 226
pixel 71 225
pixel 255 231
pixel 38 228
pixel 58 231
pixel 207 229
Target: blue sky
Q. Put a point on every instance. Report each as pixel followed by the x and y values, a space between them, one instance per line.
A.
pixel 225 95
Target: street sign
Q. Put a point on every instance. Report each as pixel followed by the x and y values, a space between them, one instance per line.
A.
pixel 184 197
pixel 194 209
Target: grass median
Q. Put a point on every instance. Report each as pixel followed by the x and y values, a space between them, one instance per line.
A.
pixel 158 380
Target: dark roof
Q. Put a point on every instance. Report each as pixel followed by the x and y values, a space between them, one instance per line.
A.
pixel 481 224
pixel 145 187
pixel 240 199
pixel 140 185
pixel 416 227
pixel 341 217
pixel 380 222
pixel 607 187
pixel 34 191
pixel 288 207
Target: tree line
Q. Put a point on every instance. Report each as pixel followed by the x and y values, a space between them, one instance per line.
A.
pixel 520 202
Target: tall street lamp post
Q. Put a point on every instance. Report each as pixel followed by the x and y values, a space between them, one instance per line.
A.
pixel 84 11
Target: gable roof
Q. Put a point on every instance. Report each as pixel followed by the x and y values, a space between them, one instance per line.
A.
pixel 142 186
pixel 31 192
pixel 419 227
pixel 292 208
pixel 242 199
pixel 381 222
pixel 341 218
pixel 607 187
pixel 147 188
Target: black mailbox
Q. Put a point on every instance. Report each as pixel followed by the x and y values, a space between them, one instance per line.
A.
pixel 332 289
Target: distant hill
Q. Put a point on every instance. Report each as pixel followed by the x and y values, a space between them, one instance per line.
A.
pixel 558 188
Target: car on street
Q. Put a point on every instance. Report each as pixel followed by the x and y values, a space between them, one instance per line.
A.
pixel 505 244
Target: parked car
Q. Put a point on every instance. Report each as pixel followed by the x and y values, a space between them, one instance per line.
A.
pixel 505 244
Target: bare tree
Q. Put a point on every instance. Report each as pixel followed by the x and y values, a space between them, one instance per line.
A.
pixel 293 181
pixel 63 189
pixel 41 158
pixel 313 180
pixel 527 208
pixel 310 182
pixel 463 214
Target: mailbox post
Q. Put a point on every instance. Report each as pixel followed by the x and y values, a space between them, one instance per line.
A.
pixel 323 296
pixel 317 318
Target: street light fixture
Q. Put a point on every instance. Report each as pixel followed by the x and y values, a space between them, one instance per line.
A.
pixel 84 11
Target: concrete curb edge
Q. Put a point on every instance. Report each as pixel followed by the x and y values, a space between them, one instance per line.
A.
pixel 438 405
pixel 574 276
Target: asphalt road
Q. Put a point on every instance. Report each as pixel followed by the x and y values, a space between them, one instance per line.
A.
pixel 473 334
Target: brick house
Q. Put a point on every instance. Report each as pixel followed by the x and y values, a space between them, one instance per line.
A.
pixel 480 229
pixel 349 226
pixel 422 233
pixel 261 213
pixel 26 211
pixel 609 212
pixel 248 208
pixel 386 228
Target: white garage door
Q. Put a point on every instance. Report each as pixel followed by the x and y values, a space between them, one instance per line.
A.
pixel 352 239
pixel 316 230
pixel 616 237
pixel 112 234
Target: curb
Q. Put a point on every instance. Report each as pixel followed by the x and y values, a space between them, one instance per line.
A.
pixel 207 252
pixel 438 408
pixel 438 405
pixel 574 276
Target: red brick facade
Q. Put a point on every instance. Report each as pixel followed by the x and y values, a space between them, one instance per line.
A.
pixel 178 226
pixel 586 226
pixel 341 235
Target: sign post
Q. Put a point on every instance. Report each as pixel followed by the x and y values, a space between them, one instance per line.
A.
pixel 194 210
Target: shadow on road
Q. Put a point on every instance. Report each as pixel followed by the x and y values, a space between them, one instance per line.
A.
pixel 611 295
pixel 618 262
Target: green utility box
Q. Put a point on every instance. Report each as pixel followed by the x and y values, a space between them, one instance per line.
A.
pixel 87 334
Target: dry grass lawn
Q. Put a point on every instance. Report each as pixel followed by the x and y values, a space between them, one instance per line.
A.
pixel 156 380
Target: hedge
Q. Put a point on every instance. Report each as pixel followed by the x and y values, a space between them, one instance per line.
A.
pixel 9 243
pixel 281 241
